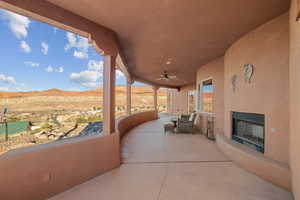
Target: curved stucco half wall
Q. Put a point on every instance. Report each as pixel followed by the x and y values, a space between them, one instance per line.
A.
pixel 273 171
pixel 267 48
pixel 42 171
pixel 125 123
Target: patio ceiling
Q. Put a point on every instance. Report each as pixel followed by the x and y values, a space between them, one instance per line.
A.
pixel 186 33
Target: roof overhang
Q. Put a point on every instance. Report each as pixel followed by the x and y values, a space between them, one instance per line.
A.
pixel 149 37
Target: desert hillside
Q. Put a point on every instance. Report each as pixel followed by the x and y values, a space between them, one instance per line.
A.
pixel 136 90
pixel 55 99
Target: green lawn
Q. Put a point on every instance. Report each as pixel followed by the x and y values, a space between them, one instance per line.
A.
pixel 14 127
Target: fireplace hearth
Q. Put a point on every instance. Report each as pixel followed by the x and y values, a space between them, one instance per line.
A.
pixel 249 129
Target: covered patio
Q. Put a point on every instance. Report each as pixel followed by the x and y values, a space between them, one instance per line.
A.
pixel 246 52
pixel 173 166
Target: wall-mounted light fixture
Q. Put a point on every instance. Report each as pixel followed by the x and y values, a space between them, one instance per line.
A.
pixel 169 61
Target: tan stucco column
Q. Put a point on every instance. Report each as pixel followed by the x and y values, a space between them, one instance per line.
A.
pixel 155 88
pixel 295 97
pixel 168 102
pixel 109 73
pixel 128 96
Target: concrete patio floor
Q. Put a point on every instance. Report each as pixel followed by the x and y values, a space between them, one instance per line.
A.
pixel 173 167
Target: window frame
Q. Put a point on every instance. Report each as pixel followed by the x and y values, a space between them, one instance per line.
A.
pixel 195 99
pixel 200 94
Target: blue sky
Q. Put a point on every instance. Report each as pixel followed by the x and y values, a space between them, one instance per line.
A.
pixel 208 88
pixel 37 56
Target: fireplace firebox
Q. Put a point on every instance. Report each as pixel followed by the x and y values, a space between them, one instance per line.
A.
pixel 249 129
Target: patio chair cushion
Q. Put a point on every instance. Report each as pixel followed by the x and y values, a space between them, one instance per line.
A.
pixel 185 126
pixel 192 117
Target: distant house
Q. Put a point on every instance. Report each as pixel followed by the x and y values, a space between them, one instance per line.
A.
pixel 15 127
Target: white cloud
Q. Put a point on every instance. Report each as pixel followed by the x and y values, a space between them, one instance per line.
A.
pixel 8 79
pixel 25 47
pixel 59 70
pixel 4 89
pixel 119 73
pixel 49 69
pixel 87 78
pixel 44 48
pixel 21 87
pixel 80 55
pixel 96 65
pixel 52 69
pixel 92 77
pixel 77 42
pixel 31 64
pixel 72 41
pixel 18 24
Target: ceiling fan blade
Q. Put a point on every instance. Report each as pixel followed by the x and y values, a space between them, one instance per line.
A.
pixel 166 77
pixel 173 78
pixel 160 79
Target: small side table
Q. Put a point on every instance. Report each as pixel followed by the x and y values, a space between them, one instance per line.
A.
pixel 210 128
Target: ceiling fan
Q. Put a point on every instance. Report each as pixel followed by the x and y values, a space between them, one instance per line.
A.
pixel 167 77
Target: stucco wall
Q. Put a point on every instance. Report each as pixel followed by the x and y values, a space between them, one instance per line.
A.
pixel 256 163
pixel 179 100
pixel 42 171
pixel 214 70
pixel 267 48
pixel 125 123
pixel 188 87
pixel 295 99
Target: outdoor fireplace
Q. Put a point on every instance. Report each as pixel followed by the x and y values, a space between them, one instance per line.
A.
pixel 249 129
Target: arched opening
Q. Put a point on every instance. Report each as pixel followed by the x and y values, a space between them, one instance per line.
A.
pixel 50 84
pixel 120 94
pixel 142 97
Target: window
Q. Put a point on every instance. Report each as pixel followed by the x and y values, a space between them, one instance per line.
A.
pixel 162 100
pixel 191 101
pixel 207 96
pixel 52 90
pixel 141 97
pixel 121 93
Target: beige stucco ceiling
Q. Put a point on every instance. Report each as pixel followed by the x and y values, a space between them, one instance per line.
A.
pixel 189 33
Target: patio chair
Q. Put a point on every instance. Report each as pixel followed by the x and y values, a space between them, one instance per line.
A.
pixel 186 126
pixel 169 127
pixel 184 117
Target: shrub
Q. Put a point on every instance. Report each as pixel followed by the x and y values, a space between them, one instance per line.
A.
pixel 47 126
pixel 96 118
pixel 36 130
pixel 81 120
pixel 13 119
